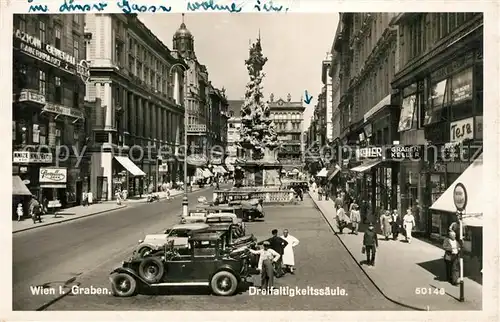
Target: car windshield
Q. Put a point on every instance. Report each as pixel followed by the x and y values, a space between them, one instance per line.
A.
pixel 205 248
pixel 179 233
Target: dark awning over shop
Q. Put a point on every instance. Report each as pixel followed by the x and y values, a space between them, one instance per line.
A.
pixel 333 172
pixel 19 188
pixel 366 166
pixel 130 166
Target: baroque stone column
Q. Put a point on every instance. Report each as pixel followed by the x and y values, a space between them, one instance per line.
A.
pixel 140 118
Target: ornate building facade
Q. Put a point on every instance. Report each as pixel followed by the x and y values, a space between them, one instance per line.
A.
pixel 205 126
pixel 289 119
pixel 48 125
pixel 136 99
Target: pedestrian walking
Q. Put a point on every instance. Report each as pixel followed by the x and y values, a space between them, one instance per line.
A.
pixel 342 219
pixel 267 258
pixel 451 249
pixel 20 212
pixel 355 218
pixel 408 224
pixel 277 244
pixel 395 224
pixel 370 244
pixel 320 193
pixel 313 186
pixel 288 254
pixel 385 224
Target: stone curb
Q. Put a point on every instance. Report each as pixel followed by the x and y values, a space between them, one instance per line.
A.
pixel 361 266
pixel 69 219
pixel 88 215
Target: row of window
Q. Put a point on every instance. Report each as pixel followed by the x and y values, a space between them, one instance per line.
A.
pixel 430 101
pixel 283 126
pixel 29 133
pixel 286 116
pixel 57 39
pixel 428 28
pixel 55 88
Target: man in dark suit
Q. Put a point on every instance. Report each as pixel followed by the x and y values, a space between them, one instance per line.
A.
pixel 277 244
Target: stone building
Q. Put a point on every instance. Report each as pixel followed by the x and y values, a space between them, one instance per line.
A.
pixel 49 76
pixel 137 96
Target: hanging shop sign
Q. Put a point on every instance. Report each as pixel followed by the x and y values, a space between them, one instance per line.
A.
pixel 196 128
pixel 460 197
pixel 29 96
pixel 34 47
pixel 369 153
pixel 53 175
pixel 197 160
pixel 64 110
pixel 405 152
pixel 31 157
pixel 478 127
pixel 462 130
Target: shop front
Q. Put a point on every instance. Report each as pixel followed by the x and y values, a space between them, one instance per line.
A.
pixel 27 164
pixel 53 184
pixel 444 212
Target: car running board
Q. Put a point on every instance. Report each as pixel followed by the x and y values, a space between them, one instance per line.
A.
pixel 182 284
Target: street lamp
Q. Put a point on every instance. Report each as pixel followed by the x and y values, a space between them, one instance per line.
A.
pixel 185 194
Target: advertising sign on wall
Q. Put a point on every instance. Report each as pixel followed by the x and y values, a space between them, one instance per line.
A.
pixel 34 47
pixel 53 175
pixel 31 157
pixel 462 130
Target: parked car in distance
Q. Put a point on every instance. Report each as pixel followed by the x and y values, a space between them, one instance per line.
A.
pixel 225 217
pixel 206 264
pixel 178 234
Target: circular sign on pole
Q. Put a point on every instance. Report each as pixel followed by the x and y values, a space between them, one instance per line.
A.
pixel 460 196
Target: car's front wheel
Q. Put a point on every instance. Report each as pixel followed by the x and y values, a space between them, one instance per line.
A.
pixel 224 283
pixel 123 285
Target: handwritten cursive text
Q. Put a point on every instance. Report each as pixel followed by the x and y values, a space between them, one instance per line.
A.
pixel 210 5
pixel 128 7
pixel 268 6
pixel 37 7
pixel 71 6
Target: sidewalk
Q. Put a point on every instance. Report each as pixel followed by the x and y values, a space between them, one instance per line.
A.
pixel 403 268
pixel 81 212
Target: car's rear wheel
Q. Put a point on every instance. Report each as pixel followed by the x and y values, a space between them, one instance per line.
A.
pixel 123 285
pixel 144 250
pixel 151 269
pixel 224 283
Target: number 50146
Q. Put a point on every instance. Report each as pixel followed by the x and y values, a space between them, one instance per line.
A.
pixel 429 291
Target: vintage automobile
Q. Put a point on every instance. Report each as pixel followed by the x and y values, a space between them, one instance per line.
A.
pixel 225 217
pixel 178 234
pixel 195 216
pixel 208 263
pixel 247 210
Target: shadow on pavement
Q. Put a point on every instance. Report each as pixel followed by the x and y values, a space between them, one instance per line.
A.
pixel 437 268
pixel 187 290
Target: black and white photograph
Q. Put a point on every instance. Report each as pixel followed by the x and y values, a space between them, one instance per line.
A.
pixel 250 162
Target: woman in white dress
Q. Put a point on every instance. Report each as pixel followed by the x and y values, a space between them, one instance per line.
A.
pixel 408 224
pixel 288 256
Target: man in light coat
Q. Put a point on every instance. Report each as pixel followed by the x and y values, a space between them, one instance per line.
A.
pixel 288 255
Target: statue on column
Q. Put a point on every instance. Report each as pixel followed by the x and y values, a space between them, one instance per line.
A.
pixel 289 97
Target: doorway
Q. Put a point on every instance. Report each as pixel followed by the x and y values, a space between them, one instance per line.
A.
pixel 79 192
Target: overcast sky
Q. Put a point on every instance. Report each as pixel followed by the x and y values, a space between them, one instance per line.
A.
pixel 295 45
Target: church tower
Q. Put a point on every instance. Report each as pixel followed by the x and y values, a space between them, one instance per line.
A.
pixel 183 41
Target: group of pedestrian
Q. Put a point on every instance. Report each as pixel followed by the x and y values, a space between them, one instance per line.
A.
pixel 276 258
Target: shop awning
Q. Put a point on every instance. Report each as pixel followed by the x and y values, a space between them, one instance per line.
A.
pixel 19 188
pixel 333 172
pixel 219 169
pixel 130 166
pixel 207 173
pixel 323 173
pixel 199 173
pixel 366 166
pixel 472 179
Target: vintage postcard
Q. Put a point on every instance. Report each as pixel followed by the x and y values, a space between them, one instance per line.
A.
pixel 291 160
